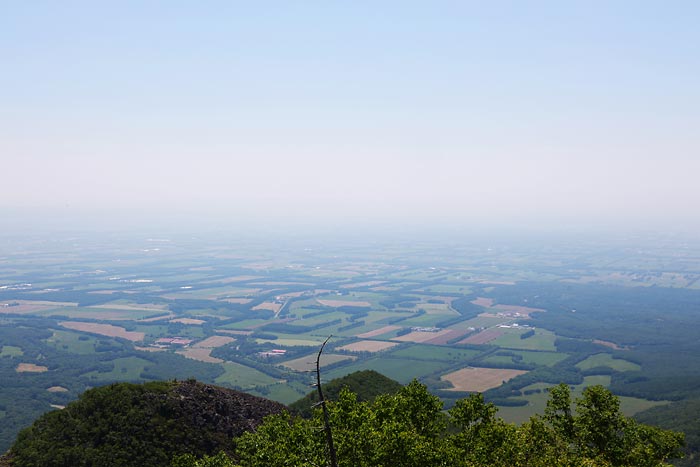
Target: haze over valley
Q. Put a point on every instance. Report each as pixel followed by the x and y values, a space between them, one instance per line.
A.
pixel 487 198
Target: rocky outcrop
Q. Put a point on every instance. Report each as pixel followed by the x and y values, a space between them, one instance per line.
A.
pixel 142 425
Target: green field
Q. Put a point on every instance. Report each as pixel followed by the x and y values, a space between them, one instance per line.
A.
pixel 528 357
pixel 425 320
pixel 504 360
pixel 580 277
pixel 308 362
pixel 72 342
pixel 542 340
pixel 538 401
pixel 241 376
pixel 11 351
pixel 125 369
pixel 433 352
pixel 245 324
pixel 607 360
pixel 285 392
pixel 485 321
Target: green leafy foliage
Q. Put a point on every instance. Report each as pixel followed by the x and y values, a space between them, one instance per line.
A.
pixel 141 425
pixel 410 429
pixel 680 416
pixel 365 384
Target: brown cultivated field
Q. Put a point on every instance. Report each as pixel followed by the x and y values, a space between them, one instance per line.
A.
pixel 422 336
pixel 104 330
pixel 24 309
pixel 201 354
pixel 485 302
pixel 483 337
pixel 272 306
pixel 368 346
pixel 57 389
pixel 442 339
pixel 339 303
pixel 214 341
pixel 479 379
pixel 378 332
pixel 30 368
pixel 308 363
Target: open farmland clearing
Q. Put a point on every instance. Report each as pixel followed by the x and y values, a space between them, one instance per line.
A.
pixel 484 337
pixel 30 368
pixel 308 363
pixel 339 303
pixel 104 329
pixel 542 340
pixel 607 360
pixel 378 332
pixel 213 342
pixel 422 336
pixel 201 354
pixel 11 351
pixel 433 352
pixel 474 379
pixel 368 346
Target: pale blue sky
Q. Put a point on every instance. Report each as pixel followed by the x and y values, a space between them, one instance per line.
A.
pixel 504 113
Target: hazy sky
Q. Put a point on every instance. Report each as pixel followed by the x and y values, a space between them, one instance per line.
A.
pixel 488 112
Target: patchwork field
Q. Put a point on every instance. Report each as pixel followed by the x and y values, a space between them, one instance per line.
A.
pixel 201 354
pixel 368 346
pixel 10 351
pixel 240 300
pixel 607 360
pixel 339 303
pixel 423 336
pixel 479 379
pixel 214 341
pixel 432 352
pixel 104 329
pixel 483 337
pixel 30 368
pixel 308 363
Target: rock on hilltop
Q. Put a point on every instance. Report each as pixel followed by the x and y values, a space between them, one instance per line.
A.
pixel 144 425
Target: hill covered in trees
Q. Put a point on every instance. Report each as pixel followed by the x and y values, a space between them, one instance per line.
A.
pixel 190 424
pixel 144 425
pixel 683 416
pixel 366 385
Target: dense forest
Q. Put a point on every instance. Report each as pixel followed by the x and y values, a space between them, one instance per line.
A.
pixel 190 425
